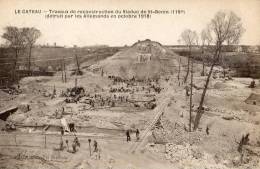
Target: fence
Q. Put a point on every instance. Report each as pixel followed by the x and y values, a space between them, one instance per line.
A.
pixel 30 140
pixel 46 140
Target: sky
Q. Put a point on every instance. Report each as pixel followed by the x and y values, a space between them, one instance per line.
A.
pixel 165 29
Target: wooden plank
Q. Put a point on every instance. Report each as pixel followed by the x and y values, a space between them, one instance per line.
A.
pixel 8 110
pixel 160 111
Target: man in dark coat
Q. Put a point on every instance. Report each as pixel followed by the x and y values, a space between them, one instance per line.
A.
pixel 128 138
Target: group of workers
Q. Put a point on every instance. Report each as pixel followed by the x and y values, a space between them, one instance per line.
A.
pixel 76 144
pixel 107 100
pixel 96 149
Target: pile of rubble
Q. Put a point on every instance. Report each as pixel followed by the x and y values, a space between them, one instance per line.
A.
pixel 175 132
pixel 189 157
pixel 176 153
pixel 73 94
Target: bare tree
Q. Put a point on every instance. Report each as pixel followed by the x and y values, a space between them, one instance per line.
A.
pixel 196 41
pixel 15 38
pixel 78 72
pixel 189 38
pixel 64 68
pixel 225 26
pixel 31 35
pixel 179 71
pixel 191 93
pixel 206 40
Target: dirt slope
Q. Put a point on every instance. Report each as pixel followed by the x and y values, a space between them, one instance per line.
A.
pixel 143 59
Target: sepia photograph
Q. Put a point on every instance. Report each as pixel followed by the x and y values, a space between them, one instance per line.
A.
pixel 137 84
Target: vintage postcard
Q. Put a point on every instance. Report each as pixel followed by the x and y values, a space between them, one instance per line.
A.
pixel 137 84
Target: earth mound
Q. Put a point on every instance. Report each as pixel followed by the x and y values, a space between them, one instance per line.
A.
pixel 143 59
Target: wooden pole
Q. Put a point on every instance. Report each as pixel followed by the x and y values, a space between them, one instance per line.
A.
pixel 179 71
pixel 77 61
pixel 64 69
pixel 29 63
pixel 89 141
pixel 61 71
pixel 15 140
pixel 203 68
pixel 89 150
pixel 45 139
pixel 76 82
pixel 191 84
pixel 188 66
pixel 203 60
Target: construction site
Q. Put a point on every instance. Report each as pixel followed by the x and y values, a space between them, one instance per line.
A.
pixel 102 107
pixel 177 86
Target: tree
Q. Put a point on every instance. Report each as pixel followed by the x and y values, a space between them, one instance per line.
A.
pixel 189 38
pixel 191 93
pixel 78 71
pixel 179 71
pixel 226 27
pixel 206 40
pixel 16 41
pixel 31 35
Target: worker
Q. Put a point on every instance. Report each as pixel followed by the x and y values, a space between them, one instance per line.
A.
pixel 76 140
pixel 187 89
pixel 207 130
pixel 252 84
pixel 72 127
pixel 62 110
pixel 128 138
pixel 137 133
pixel 67 143
pixel 62 131
pixel 96 151
pixel 95 146
pixel 28 107
pixel 74 147
pixel 61 144
pixel 53 93
pixel 99 153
